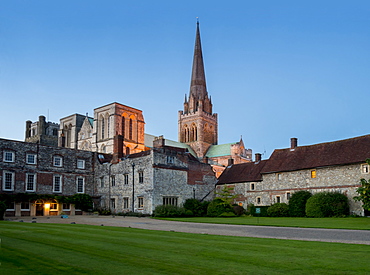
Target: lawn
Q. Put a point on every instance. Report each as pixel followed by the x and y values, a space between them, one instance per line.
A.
pixel 35 248
pixel 358 223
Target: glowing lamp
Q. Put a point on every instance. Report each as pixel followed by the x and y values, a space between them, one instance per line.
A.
pixel 47 205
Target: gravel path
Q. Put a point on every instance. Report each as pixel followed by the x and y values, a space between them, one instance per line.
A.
pixel 289 233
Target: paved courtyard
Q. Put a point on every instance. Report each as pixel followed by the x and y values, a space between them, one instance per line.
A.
pixel 307 234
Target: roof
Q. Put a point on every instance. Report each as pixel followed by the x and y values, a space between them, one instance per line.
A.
pixel 244 172
pixel 91 121
pixel 341 152
pixel 219 150
pixel 150 138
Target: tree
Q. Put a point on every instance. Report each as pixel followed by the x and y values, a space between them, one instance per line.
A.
pixel 297 203
pixel 227 195
pixel 364 192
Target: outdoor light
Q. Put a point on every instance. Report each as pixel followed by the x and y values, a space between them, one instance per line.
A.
pixel 47 205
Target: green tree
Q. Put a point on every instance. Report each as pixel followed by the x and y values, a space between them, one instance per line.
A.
pixel 227 195
pixel 364 192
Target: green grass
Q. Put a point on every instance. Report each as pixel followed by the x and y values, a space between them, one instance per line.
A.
pixel 35 248
pixel 359 223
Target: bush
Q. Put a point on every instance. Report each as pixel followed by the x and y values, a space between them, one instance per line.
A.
pixel 297 203
pixel 278 210
pixel 227 215
pixel 217 207
pixel 238 210
pixel 196 207
pixel 169 211
pixel 327 204
pixel 251 210
pixel 2 209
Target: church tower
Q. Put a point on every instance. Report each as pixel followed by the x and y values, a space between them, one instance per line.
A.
pixel 197 123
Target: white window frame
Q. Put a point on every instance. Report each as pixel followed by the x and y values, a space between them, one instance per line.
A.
pixel 60 184
pixel 365 169
pixel 11 209
pixel 9 153
pixel 60 164
pixel 80 164
pixel 78 185
pixel 26 209
pixel 34 158
pixel 28 175
pixel 12 181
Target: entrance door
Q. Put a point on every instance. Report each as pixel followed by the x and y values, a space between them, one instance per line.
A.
pixel 39 209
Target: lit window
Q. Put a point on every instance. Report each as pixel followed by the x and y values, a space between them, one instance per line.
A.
pixel 313 174
pixel 125 203
pixel 58 161
pixel 364 168
pixel 141 176
pixel 81 164
pixel 53 206
pixel 170 201
pixel 140 203
pixel 30 182
pixel 8 181
pixel 8 156
pixel 31 158
pixel 125 178
pixel 80 185
pixel 57 184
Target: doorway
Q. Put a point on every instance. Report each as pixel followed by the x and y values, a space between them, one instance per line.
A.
pixel 39 209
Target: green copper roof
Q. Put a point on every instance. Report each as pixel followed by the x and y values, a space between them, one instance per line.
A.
pixel 219 150
pixel 91 120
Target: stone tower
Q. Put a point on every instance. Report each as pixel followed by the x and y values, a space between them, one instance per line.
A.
pixel 197 123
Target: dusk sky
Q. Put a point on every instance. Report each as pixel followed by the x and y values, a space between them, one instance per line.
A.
pixel 274 69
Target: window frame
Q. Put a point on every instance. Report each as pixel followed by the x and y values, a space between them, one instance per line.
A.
pixel 252 186
pixel 78 185
pixel 54 161
pixel 60 184
pixel 5 154
pixel 27 183
pixel 12 183
pixel 313 174
pixel 140 202
pixel 125 179
pixel 126 203
pixel 113 180
pixel 366 167
pixel 113 203
pixel 80 161
pixel 23 208
pixel 170 200
pixel 34 158
pixel 258 200
pixel 141 176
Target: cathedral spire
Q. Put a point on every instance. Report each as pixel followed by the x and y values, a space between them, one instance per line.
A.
pixel 198 79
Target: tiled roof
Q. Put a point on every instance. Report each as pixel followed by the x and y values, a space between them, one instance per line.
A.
pixel 244 172
pixel 219 150
pixel 341 152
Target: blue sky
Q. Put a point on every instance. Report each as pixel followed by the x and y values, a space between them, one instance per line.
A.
pixel 274 69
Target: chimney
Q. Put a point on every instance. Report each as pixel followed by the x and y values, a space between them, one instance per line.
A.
pixel 28 128
pixel 159 142
pixel 230 162
pixel 293 143
pixel 257 157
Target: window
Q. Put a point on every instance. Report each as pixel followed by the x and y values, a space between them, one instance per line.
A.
pixel 125 203
pixel 113 181
pixel 113 203
pixel 313 174
pixel 364 168
pixel 25 205
pixel 57 184
pixel 278 199
pixel 8 181
pixel 8 156
pixel 170 159
pixel 30 182
pixel 31 158
pixel 141 176
pixel 81 164
pixel 101 182
pixel 125 179
pixel 258 200
pixel 140 202
pixel 288 195
pixel 80 185
pixel 58 161
pixel 170 201
pixel 102 128
pixel 53 206
pixel 252 186
pixel 278 176
pixel 66 206
pixel 11 206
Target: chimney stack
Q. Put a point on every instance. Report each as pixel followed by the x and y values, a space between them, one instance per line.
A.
pixel 293 143
pixel 257 157
pixel 230 162
pixel 159 142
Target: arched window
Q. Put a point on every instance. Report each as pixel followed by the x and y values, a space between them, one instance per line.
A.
pixel 123 126
pixel 130 130
pixel 102 127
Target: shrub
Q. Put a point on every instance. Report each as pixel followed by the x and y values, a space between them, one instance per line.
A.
pixel 327 204
pixel 217 207
pixel 238 210
pixel 227 215
pixel 2 209
pixel 196 207
pixel 169 211
pixel 278 210
pixel 297 203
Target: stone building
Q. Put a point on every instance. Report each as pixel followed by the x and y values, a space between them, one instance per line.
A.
pixel 332 166
pixel 33 168
pixel 162 175
pixel 42 132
